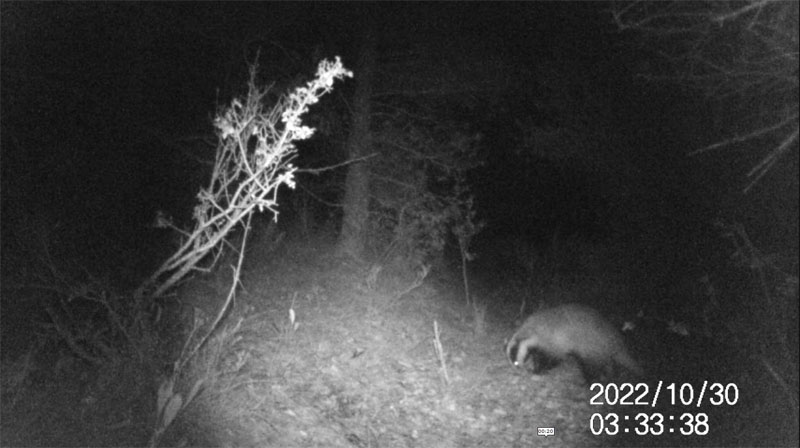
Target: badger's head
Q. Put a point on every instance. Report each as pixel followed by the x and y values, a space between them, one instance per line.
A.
pixel 518 350
pixel 525 352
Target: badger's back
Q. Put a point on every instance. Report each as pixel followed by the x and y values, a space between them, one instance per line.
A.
pixel 571 330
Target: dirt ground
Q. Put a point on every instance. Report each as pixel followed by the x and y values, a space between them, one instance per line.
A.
pixel 356 366
pixel 358 369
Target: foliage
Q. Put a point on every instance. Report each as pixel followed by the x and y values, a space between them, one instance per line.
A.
pixel 253 159
pixel 418 191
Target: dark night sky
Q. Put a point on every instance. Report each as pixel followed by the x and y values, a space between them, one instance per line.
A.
pixel 95 95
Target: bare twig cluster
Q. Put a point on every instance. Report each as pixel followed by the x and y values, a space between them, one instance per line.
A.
pixel 747 50
pixel 253 159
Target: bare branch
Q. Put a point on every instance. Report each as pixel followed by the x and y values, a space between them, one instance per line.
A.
pixel 748 136
pixel 316 171
pixel 736 13
pixel 254 154
pixel 767 162
pixel 742 51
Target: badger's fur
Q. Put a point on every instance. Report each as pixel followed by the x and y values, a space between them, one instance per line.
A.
pixel 552 335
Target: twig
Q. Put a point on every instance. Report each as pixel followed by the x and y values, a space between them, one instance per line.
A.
pixel 316 171
pixel 745 137
pixel 437 345
pixel 228 300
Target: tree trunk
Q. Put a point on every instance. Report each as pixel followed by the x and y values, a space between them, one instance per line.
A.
pixel 353 235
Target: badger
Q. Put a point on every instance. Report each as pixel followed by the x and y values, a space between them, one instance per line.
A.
pixel 570 331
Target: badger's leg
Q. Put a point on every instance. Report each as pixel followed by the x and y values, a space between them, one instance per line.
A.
pixel 541 362
pixel 594 371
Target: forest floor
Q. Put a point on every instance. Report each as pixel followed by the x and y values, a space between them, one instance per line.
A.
pixel 317 353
